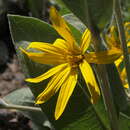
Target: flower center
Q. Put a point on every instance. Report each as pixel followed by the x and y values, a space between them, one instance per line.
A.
pixel 74 60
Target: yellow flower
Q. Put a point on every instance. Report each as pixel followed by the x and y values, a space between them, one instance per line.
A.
pixel 124 78
pixel 67 58
pixel 113 38
pixel 114 42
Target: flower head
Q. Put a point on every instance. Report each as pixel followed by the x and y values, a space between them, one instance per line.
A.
pixel 67 58
pixel 114 42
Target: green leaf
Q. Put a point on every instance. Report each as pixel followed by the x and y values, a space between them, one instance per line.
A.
pixel 76 33
pixel 124 123
pixel 97 12
pixel 24 97
pixel 63 9
pixel 126 9
pixel 73 20
pixel 34 29
pixel 21 96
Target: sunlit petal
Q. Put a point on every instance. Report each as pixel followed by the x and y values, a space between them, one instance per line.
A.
pixel 123 73
pixel 119 61
pixel 127 24
pixel 112 38
pixel 104 57
pixel 124 78
pixel 48 74
pixel 85 41
pixel 110 42
pixel 53 86
pixel 61 27
pixel 45 47
pixel 127 31
pixel 62 44
pixel 45 58
pixel 90 80
pixel 128 44
pixel 65 93
pixel 126 85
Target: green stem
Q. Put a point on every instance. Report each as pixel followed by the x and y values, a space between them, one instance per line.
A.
pixel 107 96
pixel 102 73
pixel 18 107
pixel 22 108
pixel 120 25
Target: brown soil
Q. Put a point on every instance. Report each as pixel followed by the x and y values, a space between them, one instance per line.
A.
pixel 12 78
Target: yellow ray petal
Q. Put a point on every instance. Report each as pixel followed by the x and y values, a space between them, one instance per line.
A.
pixel 123 73
pixel 48 74
pixel 112 38
pixel 111 42
pixel 128 44
pixel 45 58
pixel 127 28
pixel 124 78
pixel 85 41
pixel 126 85
pixel 53 86
pixel 61 27
pixel 119 61
pixel 104 57
pixel 62 44
pixel 45 47
pixel 127 31
pixel 90 80
pixel 127 24
pixel 65 93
